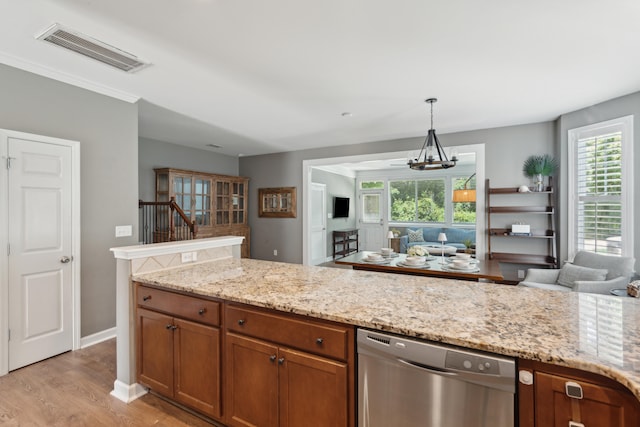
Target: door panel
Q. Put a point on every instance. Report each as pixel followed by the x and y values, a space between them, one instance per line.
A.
pixel 313 391
pixel 40 272
pixel 371 220
pixel 252 382
pixel 318 224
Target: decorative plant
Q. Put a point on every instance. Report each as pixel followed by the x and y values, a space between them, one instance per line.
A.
pixel 417 251
pixel 544 165
pixel 467 243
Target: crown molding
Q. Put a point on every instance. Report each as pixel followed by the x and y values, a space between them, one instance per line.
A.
pixel 60 76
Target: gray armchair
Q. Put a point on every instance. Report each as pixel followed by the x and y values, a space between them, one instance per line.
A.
pixel 588 272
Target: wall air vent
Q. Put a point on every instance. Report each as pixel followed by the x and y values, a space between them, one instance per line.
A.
pixel 88 46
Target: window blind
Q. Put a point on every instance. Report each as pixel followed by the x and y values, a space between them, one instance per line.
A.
pixel 599 193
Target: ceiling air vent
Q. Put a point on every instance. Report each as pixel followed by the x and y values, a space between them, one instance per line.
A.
pixel 88 46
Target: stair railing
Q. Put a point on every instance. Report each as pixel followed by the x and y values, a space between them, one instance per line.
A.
pixel 164 222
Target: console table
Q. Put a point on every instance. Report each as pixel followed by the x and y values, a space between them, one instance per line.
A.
pixel 344 241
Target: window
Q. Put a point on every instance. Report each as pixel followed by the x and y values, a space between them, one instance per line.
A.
pixel 371 185
pixel 601 187
pixel 417 200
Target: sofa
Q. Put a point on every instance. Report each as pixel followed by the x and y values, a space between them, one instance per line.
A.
pixel 588 272
pixel 455 237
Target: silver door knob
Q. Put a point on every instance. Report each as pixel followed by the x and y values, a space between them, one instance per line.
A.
pixel 66 259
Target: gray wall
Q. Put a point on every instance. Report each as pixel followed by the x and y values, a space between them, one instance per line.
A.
pixel 612 109
pixel 505 150
pixel 157 154
pixel 341 186
pixel 108 133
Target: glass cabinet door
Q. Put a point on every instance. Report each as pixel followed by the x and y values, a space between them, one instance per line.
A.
pixel 222 202
pixel 238 203
pixel 202 201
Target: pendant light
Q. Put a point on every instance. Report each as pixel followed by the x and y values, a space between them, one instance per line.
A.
pixel 432 156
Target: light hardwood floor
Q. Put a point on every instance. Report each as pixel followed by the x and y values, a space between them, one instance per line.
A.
pixel 73 390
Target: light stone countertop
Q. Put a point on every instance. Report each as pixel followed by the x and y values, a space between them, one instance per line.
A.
pixel 596 333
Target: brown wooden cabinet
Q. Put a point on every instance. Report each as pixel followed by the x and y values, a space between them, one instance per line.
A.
pixel 562 395
pixel 217 203
pixel 287 371
pixel 178 348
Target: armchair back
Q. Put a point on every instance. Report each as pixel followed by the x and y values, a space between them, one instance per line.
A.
pixel 616 266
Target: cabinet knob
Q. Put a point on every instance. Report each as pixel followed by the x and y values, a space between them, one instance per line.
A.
pixel 281 361
pixel 202 311
pixel 146 298
pixel 272 358
pixel 241 322
pixel 319 341
pixel 169 326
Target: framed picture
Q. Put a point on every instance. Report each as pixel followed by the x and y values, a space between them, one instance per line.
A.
pixel 277 202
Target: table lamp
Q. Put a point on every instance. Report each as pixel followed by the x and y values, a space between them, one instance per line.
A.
pixel 442 238
pixel 390 236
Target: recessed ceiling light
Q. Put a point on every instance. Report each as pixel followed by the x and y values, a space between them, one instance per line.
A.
pixel 214 146
pixel 347 114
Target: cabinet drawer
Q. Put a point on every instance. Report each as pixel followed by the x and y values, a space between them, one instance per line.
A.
pixel 192 308
pixel 308 335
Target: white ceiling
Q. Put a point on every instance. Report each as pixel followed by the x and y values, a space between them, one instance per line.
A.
pixel 257 76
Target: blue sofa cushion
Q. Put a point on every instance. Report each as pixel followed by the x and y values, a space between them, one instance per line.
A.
pixel 459 235
pixel 430 234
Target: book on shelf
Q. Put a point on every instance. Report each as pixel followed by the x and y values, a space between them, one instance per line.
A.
pixel 519 234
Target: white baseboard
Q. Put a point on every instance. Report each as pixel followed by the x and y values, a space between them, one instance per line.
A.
pixel 127 392
pixel 98 337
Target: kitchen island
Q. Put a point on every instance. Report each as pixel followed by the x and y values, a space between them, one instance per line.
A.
pixel 594 333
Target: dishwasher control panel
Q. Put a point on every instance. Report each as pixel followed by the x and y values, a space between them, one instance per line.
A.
pixel 465 362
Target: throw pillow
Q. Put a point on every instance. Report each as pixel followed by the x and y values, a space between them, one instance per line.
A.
pixel 415 235
pixel 569 273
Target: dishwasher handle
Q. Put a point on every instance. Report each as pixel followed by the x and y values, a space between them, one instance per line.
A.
pixel 430 369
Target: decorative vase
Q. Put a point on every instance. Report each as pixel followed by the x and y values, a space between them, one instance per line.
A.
pixel 538 183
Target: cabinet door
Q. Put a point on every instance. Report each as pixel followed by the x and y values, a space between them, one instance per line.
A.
pixel 197 366
pixel 313 391
pixel 600 405
pixel 251 383
pixel 155 351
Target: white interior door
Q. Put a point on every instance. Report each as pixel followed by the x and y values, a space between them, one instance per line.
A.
pixel 318 223
pixel 371 233
pixel 40 279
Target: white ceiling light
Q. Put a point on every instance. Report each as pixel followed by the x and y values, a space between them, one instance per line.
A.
pixel 92 48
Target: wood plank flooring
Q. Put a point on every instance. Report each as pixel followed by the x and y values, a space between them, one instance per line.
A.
pixel 73 390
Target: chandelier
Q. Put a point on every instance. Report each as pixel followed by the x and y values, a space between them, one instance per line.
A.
pixel 427 158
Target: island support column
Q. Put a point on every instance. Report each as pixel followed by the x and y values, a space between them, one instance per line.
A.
pixel 132 260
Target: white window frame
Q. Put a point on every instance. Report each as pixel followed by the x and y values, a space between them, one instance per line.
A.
pixel 625 125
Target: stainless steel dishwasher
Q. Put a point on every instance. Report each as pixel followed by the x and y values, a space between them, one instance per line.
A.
pixel 405 383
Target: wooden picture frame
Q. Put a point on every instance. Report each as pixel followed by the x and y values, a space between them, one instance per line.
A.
pixel 277 202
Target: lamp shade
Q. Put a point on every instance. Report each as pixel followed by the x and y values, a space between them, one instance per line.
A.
pixel 442 237
pixel 464 195
pixel 390 235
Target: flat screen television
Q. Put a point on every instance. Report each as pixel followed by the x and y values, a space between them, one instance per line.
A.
pixel 341 207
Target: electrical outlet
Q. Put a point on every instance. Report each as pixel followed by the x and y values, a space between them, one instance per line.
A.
pixel 124 230
pixel 275 252
pixel 187 257
pixel 520 274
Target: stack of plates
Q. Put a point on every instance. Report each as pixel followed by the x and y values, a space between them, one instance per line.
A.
pixel 412 265
pixel 375 259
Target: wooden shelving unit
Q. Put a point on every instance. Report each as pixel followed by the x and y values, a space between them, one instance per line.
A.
pixel 548 259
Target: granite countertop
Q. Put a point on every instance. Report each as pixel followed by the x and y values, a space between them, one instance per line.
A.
pixel 596 333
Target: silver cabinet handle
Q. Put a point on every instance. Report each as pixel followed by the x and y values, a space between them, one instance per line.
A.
pixel 66 259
